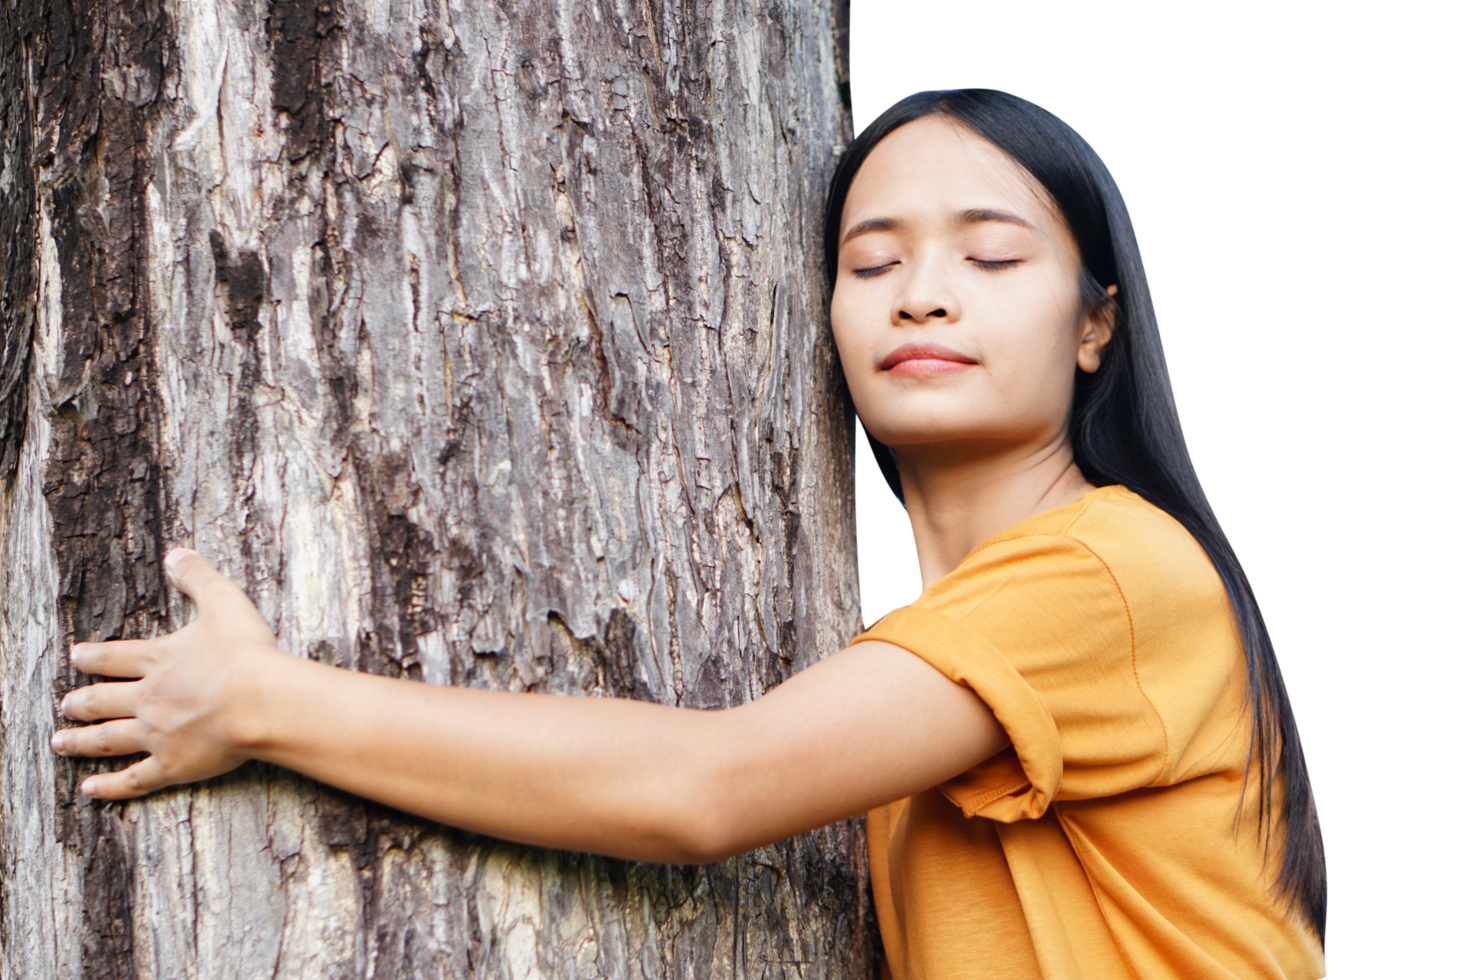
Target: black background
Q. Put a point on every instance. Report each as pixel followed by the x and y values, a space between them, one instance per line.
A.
pixel 1232 160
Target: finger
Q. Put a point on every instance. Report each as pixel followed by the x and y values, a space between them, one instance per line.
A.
pixel 95 701
pixel 212 592
pixel 122 737
pixel 143 776
pixel 115 658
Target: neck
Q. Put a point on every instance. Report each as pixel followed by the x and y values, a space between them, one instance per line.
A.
pixel 957 497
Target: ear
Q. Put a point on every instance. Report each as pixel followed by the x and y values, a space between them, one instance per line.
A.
pixel 1097 331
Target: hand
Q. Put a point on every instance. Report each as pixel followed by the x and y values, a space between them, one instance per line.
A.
pixel 190 703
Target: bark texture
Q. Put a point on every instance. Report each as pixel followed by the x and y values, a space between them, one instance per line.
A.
pixel 485 345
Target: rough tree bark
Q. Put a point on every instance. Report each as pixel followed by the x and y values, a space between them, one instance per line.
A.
pixel 485 345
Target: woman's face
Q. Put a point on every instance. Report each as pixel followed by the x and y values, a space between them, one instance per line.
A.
pixel 957 311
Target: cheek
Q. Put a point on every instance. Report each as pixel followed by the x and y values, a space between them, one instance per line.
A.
pixel 1038 332
pixel 847 334
pixel 1032 359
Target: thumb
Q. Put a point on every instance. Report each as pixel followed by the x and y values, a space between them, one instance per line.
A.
pixel 213 593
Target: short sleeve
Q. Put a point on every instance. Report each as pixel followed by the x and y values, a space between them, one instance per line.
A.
pixel 1020 782
pixel 1039 628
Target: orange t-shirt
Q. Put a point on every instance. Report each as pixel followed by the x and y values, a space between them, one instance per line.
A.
pixel 1105 842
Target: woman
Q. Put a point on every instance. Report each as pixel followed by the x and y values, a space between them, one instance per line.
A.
pixel 1075 747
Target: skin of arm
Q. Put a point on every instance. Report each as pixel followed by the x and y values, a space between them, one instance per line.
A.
pixel 868 725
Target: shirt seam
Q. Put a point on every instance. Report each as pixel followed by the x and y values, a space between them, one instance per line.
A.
pixel 971 810
pixel 1133 653
pixel 1067 533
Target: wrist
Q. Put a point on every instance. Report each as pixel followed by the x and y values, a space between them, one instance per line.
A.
pixel 257 706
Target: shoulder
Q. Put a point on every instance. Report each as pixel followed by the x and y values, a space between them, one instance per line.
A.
pixel 1126 531
pixel 1110 546
pixel 1110 585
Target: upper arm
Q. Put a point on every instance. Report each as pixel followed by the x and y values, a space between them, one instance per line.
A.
pixel 867 726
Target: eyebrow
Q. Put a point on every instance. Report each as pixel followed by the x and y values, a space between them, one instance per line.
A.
pixel 973 216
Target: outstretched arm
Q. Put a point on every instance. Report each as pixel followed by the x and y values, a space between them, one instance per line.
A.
pixel 866 726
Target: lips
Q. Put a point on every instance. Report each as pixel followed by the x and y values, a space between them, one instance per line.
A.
pixel 925 361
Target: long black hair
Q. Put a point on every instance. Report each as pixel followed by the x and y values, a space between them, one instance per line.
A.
pixel 1124 427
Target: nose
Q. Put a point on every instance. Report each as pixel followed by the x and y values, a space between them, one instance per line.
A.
pixel 925 296
pixel 938 313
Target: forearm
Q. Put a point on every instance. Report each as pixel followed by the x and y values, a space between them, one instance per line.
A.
pixel 612 776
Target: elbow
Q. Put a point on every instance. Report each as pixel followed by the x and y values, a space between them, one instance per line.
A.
pixel 693 851
pixel 716 845
pixel 703 825
pixel 702 805
pixel 699 832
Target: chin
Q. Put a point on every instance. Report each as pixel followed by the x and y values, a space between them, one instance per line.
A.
pixel 915 438
pixel 968 438
pixel 920 425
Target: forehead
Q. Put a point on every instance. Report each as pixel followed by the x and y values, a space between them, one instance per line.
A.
pixel 935 167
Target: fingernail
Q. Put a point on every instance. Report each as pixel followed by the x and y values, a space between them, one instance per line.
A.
pixel 56 742
pixel 63 704
pixel 89 786
pixel 172 559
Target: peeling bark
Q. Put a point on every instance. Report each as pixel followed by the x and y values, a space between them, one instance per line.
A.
pixel 484 345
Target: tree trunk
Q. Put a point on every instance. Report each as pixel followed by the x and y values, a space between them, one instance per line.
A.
pixel 484 345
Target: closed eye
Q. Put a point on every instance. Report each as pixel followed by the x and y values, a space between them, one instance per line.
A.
pixel 996 263
pixel 873 271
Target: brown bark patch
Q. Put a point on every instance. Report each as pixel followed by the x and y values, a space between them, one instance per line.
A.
pixel 301 34
pixel 99 67
pixel 18 232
